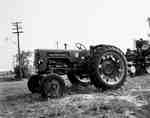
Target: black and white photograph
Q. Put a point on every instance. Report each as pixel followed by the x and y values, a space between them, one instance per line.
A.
pixel 75 59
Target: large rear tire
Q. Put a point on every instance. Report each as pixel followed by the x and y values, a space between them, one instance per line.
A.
pixel 33 83
pixel 108 68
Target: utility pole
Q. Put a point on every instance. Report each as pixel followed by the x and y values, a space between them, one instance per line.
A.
pixel 65 44
pixel 18 30
pixel 148 19
pixel 57 44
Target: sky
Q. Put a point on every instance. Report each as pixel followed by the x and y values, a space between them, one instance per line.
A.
pixel 91 22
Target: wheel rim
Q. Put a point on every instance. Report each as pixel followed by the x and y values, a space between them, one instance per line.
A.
pixel 52 88
pixel 111 68
pixel 83 80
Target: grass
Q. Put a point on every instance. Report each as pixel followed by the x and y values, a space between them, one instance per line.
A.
pixel 131 101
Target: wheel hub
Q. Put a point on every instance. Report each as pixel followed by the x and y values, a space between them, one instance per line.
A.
pixel 52 88
pixel 108 67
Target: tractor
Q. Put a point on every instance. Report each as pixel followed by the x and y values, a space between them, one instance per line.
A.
pixel 139 59
pixel 103 66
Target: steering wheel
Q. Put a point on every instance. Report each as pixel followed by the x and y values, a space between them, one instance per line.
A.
pixel 80 46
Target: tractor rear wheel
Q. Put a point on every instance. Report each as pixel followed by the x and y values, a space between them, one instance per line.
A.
pixel 108 68
pixel 53 86
pixel 33 83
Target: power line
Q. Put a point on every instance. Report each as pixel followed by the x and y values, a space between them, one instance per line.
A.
pixel 18 30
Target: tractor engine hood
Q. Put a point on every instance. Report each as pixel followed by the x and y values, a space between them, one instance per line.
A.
pixel 57 53
pixel 45 56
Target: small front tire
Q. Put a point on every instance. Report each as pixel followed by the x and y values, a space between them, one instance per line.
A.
pixel 53 86
pixel 33 83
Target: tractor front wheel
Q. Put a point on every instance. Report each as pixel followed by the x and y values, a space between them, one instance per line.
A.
pixel 33 83
pixel 53 86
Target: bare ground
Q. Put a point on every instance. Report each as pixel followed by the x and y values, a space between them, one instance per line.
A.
pixel 131 101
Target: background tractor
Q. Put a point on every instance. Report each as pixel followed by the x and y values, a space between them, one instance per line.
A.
pixel 104 65
pixel 139 59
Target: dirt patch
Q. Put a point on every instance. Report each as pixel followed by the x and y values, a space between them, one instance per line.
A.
pixel 131 101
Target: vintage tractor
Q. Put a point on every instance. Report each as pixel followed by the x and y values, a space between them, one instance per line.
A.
pixel 139 59
pixel 104 65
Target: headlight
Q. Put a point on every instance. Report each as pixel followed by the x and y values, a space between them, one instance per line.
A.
pixel 40 61
pixel 133 69
pixel 76 54
pixel 145 47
